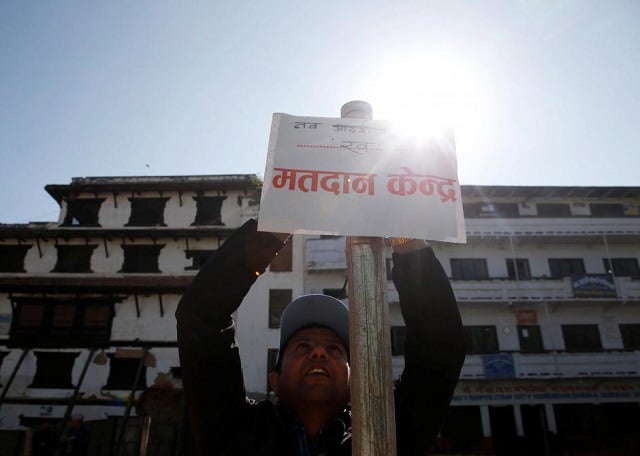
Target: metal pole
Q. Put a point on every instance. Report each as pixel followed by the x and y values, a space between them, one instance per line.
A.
pixel 13 375
pixel 373 422
pixel 74 396
pixel 132 394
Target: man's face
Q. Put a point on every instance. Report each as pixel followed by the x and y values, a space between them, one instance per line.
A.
pixel 315 370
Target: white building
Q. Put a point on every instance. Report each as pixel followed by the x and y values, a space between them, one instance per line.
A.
pixel 548 286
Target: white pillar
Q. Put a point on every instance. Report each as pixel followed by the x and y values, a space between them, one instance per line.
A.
pixel 517 415
pixel 486 420
pixel 551 418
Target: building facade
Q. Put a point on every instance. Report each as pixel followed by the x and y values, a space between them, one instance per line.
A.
pixel 548 285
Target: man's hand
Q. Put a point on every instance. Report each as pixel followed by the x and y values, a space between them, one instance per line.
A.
pixel 406 245
pixel 282 237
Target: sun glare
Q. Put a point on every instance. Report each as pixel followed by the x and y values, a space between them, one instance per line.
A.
pixel 424 93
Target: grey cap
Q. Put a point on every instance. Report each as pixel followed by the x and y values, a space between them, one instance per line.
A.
pixel 314 310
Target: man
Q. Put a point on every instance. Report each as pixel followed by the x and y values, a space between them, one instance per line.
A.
pixel 311 378
pixel 76 441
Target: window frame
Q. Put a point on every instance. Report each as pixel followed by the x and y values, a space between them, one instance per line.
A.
pixel 151 215
pixel 208 210
pixel 572 267
pixel 521 266
pixel 576 343
pixel 469 269
pixel 54 370
pixel 487 338
pixel 122 373
pixel 43 331
pixel 141 258
pixel 85 210
pixel 278 300
pixel 12 257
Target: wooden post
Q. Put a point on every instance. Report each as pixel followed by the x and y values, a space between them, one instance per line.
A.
pixel 373 422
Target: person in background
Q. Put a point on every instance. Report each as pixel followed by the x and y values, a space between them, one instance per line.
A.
pixel 76 441
pixel 45 440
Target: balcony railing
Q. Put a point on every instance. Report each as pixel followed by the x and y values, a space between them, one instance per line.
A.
pixel 551 365
pixel 534 290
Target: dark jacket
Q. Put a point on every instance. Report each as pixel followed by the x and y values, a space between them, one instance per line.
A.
pixel 225 422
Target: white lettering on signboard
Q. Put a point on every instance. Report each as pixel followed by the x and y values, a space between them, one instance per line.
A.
pixel 357 177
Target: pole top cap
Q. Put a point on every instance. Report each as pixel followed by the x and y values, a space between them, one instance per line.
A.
pixel 357 109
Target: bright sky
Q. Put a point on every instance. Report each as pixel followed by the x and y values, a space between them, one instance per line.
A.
pixel 541 92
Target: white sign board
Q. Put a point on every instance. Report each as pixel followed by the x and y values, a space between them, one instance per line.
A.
pixel 357 177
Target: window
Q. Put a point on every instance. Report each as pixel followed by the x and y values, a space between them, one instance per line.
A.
pixel 581 338
pixel 630 336
pixel 469 269
pixel 473 210
pixel 83 212
pixel 66 323
pixel 208 210
pixel 122 373
pixel 272 355
pixel 530 338
pixel 338 293
pixel 622 267
pixel 398 337
pixel 141 258
pixel 198 257
pixel 518 269
pixel 278 300
pixel 12 257
pixel 74 258
pixel 480 339
pixel 283 260
pixel 606 210
pixel 53 370
pixel 565 267
pixel 553 210
pixel 147 212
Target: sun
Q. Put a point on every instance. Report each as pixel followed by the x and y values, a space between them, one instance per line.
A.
pixel 420 92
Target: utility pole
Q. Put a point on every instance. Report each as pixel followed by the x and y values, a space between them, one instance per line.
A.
pixel 372 406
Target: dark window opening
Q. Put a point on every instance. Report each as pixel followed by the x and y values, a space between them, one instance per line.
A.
pixel 74 258
pixel 469 269
pixel 12 257
pixel 530 338
pixel 284 259
pixel 83 212
pixel 122 373
pixel 622 267
pixel 147 211
pixel 208 210
pixel 581 338
pixel 398 338
pixel 198 258
pixel 278 300
pixel 554 210
pixel 53 370
pixel 518 269
pixel 141 258
pixel 42 322
pixel 480 340
pixel 565 267
pixel 630 333
pixel 606 210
